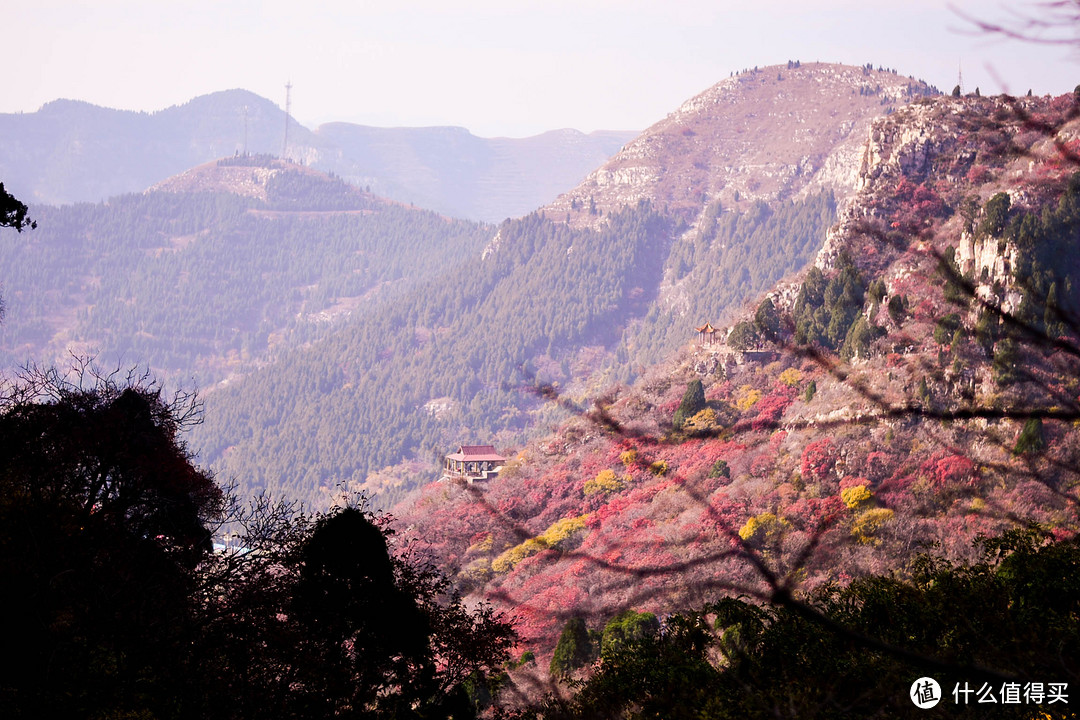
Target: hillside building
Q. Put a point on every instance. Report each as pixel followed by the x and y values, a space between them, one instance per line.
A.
pixel 707 334
pixel 473 463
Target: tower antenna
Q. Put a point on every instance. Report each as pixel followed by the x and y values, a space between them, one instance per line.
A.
pixel 245 129
pixel 960 76
pixel 288 109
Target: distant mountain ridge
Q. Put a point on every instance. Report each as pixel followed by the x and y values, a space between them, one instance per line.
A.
pixel 450 170
pixel 73 151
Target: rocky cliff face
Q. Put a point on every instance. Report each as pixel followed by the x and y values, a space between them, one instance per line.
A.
pixel 930 160
pixel 772 133
pixel 775 134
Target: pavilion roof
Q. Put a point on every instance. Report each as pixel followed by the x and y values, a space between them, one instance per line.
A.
pixel 473 453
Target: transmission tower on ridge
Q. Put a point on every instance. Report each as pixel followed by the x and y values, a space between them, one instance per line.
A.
pixel 288 109
pixel 960 76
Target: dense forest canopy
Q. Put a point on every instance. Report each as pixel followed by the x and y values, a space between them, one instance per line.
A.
pixel 474 341
pixel 732 255
pixel 196 285
pixel 477 338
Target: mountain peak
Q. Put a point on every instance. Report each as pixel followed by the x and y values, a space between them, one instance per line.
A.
pixel 281 184
pixel 763 134
pixel 241 175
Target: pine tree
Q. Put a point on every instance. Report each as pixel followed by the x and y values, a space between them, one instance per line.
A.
pixel 767 319
pixel 574 650
pixel 1031 438
pixel 693 402
pixel 1052 314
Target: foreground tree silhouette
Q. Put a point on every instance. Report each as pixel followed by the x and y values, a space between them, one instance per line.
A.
pixel 103 521
pixel 346 602
pixel 13 212
pixel 318 618
pixel 115 604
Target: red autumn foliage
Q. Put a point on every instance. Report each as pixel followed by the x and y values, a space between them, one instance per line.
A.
pixel 950 471
pixel 657 519
pixel 772 407
pixel 878 464
pixel 818 460
pixel 814 514
pixel 850 482
pixel 978 174
pixel 762 465
pixel 916 205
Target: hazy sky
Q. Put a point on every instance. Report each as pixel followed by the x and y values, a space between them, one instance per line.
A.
pixel 506 67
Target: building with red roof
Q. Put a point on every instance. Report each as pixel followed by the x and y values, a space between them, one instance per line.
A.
pixel 473 463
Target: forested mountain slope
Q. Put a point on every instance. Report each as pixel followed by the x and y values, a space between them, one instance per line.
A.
pixel 915 388
pixel 458 356
pixel 570 303
pixel 204 281
pixel 754 167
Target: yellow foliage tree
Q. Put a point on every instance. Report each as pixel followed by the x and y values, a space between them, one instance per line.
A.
pixel 855 496
pixel 760 528
pixel 483 545
pixel 556 534
pixel 511 557
pixel 791 377
pixel 868 523
pixel 704 421
pixel 605 481
pixel 478 570
pixel 747 398
pixel 560 530
pixel 749 529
